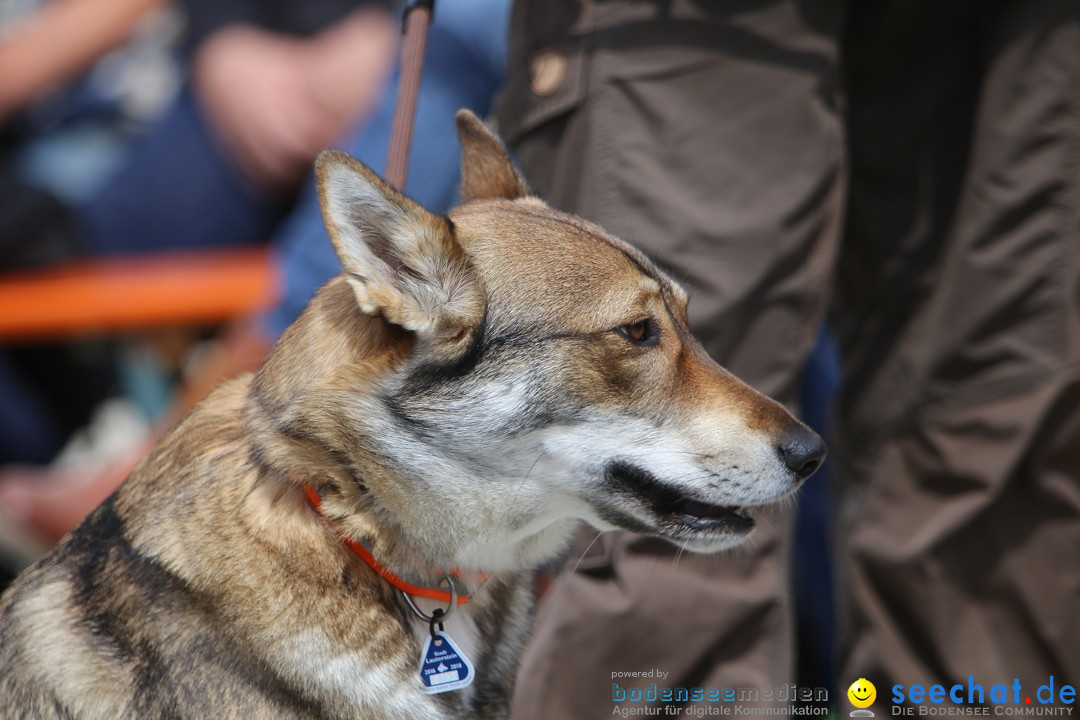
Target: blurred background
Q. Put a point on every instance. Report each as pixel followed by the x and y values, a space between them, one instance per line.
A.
pixel 148 151
pixel 876 206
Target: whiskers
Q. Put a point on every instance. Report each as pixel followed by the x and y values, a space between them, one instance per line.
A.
pixel 517 491
pixel 559 590
pixel 678 556
pixel 586 551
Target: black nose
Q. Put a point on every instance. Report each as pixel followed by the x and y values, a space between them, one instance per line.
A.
pixel 802 451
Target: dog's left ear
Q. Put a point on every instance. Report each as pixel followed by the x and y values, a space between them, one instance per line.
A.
pixel 486 169
pixel 402 261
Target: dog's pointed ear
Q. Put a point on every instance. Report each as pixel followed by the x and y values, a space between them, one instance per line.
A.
pixel 486 169
pixel 402 261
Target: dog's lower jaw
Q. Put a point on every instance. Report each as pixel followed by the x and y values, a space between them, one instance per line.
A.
pixel 519 551
pixel 626 496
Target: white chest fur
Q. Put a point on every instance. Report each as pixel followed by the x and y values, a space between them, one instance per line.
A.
pixel 353 683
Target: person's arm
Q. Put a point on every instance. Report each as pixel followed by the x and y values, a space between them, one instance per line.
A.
pixel 276 100
pixel 58 42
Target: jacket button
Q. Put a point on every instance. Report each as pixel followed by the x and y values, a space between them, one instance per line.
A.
pixel 548 70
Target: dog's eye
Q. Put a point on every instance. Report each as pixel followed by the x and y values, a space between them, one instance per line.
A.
pixel 642 332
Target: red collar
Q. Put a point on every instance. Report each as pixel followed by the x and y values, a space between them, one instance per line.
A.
pixel 384 572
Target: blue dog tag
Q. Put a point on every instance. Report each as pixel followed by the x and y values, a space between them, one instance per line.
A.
pixel 443 666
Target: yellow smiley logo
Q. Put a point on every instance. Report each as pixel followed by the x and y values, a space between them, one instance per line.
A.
pixel 862 693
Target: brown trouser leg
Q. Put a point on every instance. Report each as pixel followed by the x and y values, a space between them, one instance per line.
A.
pixel 958 435
pixel 713 143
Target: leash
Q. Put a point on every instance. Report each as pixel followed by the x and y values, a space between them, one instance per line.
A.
pixel 415 24
pixel 443 666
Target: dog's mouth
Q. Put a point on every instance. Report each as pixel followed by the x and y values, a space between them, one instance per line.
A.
pixel 703 516
pixel 679 516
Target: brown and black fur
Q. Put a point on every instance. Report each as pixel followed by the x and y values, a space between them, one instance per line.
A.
pixel 468 390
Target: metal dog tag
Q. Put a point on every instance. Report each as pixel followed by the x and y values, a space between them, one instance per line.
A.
pixel 443 667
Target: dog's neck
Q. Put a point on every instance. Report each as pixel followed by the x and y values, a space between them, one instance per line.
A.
pixel 457 582
pixel 418 502
pixel 427 538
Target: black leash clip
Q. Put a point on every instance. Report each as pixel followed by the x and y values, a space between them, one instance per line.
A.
pixel 436 619
pixel 411 5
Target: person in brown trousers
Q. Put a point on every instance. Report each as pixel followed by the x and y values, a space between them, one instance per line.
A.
pixel 916 162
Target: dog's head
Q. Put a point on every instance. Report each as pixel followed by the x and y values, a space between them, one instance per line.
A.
pixel 534 371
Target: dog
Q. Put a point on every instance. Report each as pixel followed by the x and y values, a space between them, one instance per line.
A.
pixel 439 419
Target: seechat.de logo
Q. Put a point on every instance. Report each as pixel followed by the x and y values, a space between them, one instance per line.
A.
pixel 974 698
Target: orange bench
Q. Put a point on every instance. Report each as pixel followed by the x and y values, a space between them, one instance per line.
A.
pixel 133 293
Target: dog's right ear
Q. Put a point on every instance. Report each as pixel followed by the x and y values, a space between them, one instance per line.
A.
pixel 402 261
pixel 487 172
